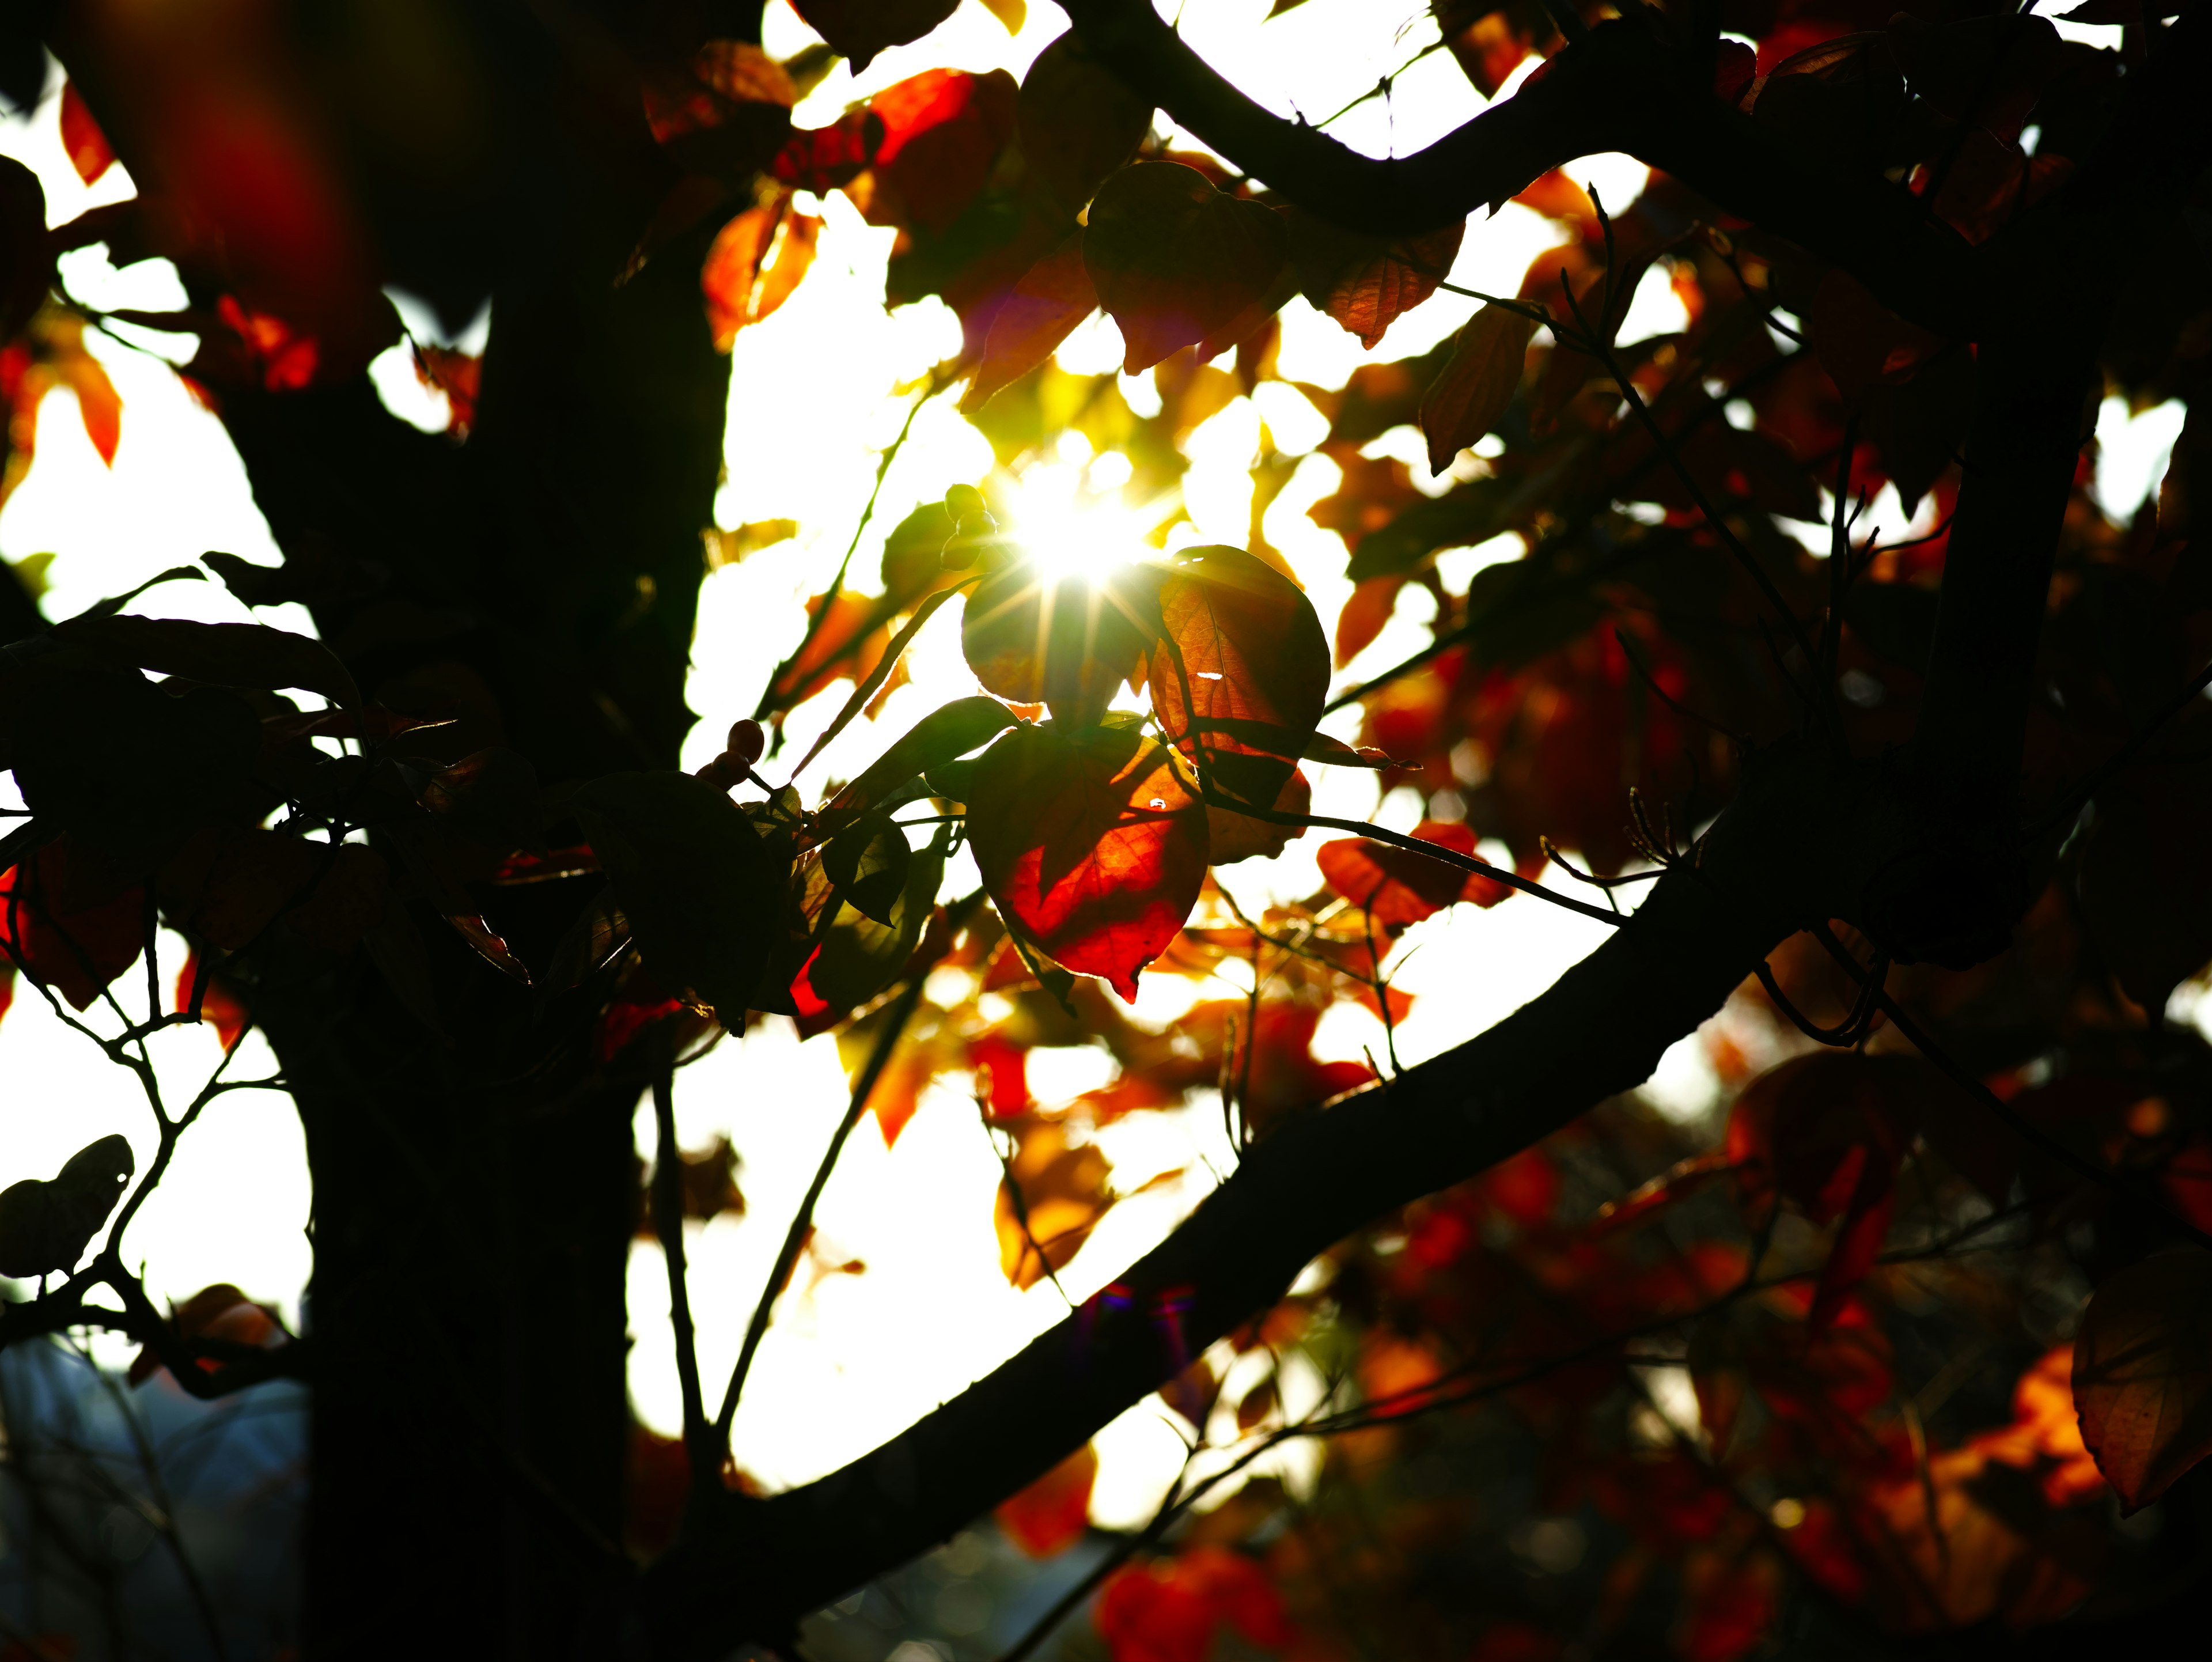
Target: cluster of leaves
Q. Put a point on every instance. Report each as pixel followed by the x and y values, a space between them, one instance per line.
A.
pixel 1492 1370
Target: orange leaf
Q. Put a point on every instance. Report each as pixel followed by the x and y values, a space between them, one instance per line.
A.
pixel 1242 643
pixel 2143 1372
pixel 1079 121
pixel 754 265
pixel 1176 261
pixel 1232 835
pixel 1050 1515
pixel 1365 614
pixel 1477 386
pixel 1367 283
pixel 1054 296
pixel 88 147
pixel 1091 845
pixel 218 1004
pixel 1061 1191
pixel 1398 886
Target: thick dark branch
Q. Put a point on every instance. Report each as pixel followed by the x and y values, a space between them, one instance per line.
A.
pixel 1619 89
pixel 1788 851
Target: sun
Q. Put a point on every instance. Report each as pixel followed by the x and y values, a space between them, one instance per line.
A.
pixel 1071 516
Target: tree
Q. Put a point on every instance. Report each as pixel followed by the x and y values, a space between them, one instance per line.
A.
pixel 1938 798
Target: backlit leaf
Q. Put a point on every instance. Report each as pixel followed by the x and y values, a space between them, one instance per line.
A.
pixel 1365 282
pixel 942 131
pixel 45 1227
pixel 756 262
pixel 1173 260
pixel 1398 886
pixel 88 147
pixel 2143 1372
pixel 1050 1200
pixel 64 927
pixel 1050 1515
pixel 228 654
pixel 1090 843
pixel 867 861
pixel 1036 637
pixel 1242 643
pixel 703 892
pixel 1470 396
pixel 1054 296
pixel 1079 121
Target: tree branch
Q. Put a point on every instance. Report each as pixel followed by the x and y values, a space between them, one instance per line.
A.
pixel 1791 848
pixel 1620 87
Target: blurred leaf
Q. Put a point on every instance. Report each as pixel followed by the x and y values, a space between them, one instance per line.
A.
pixel 756 262
pixel 88 147
pixel 1176 260
pixel 1051 1514
pixel 1054 296
pixel 862 28
pixel 2143 1372
pixel 1051 1198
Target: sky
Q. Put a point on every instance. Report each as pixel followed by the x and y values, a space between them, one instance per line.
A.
pixel 856 1357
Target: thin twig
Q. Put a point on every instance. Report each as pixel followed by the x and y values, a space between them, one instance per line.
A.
pixel 705 1460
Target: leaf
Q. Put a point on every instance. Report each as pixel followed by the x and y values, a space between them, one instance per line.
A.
pixel 823 159
pixel 1011 13
pixel 226 654
pixel 1079 121
pixel 1398 886
pixel 1065 640
pixel 1243 645
pixel 756 262
pixel 1054 296
pixel 1090 844
pixel 1231 836
pixel 850 641
pixel 858 957
pixel 2143 1372
pixel 867 864
pixel 1050 1515
pixel 1470 396
pixel 68 929
pixel 1051 1198
pixel 1175 260
pixel 88 147
pixel 950 731
pixel 943 131
pixel 860 28
pixel 1366 283
pixel 45 1227
pixel 703 892
pixel 1365 614
pixel 1334 752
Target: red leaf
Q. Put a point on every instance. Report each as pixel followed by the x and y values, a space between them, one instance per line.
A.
pixel 1241 642
pixel 756 262
pixel 1168 1611
pixel 942 131
pixel 88 147
pixel 2143 1372
pixel 67 925
pixel 1050 1515
pixel 1001 1068
pixel 218 1004
pixel 820 159
pixel 1054 296
pixel 1177 262
pixel 1090 844
pixel 1399 887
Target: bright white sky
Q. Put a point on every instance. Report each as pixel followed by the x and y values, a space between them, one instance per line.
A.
pixel 862 1356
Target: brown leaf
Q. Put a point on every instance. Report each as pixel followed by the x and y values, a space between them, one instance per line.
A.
pixel 1050 1200
pixel 1079 121
pixel 1242 644
pixel 1398 886
pixel 1090 843
pixel 1366 283
pixel 1232 835
pixel 859 30
pixel 1471 396
pixel 2143 1372
pixel 1054 296
pixel 1176 261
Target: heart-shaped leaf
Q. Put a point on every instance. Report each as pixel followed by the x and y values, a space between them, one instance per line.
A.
pixel 45 1227
pixel 1176 260
pixel 2143 1372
